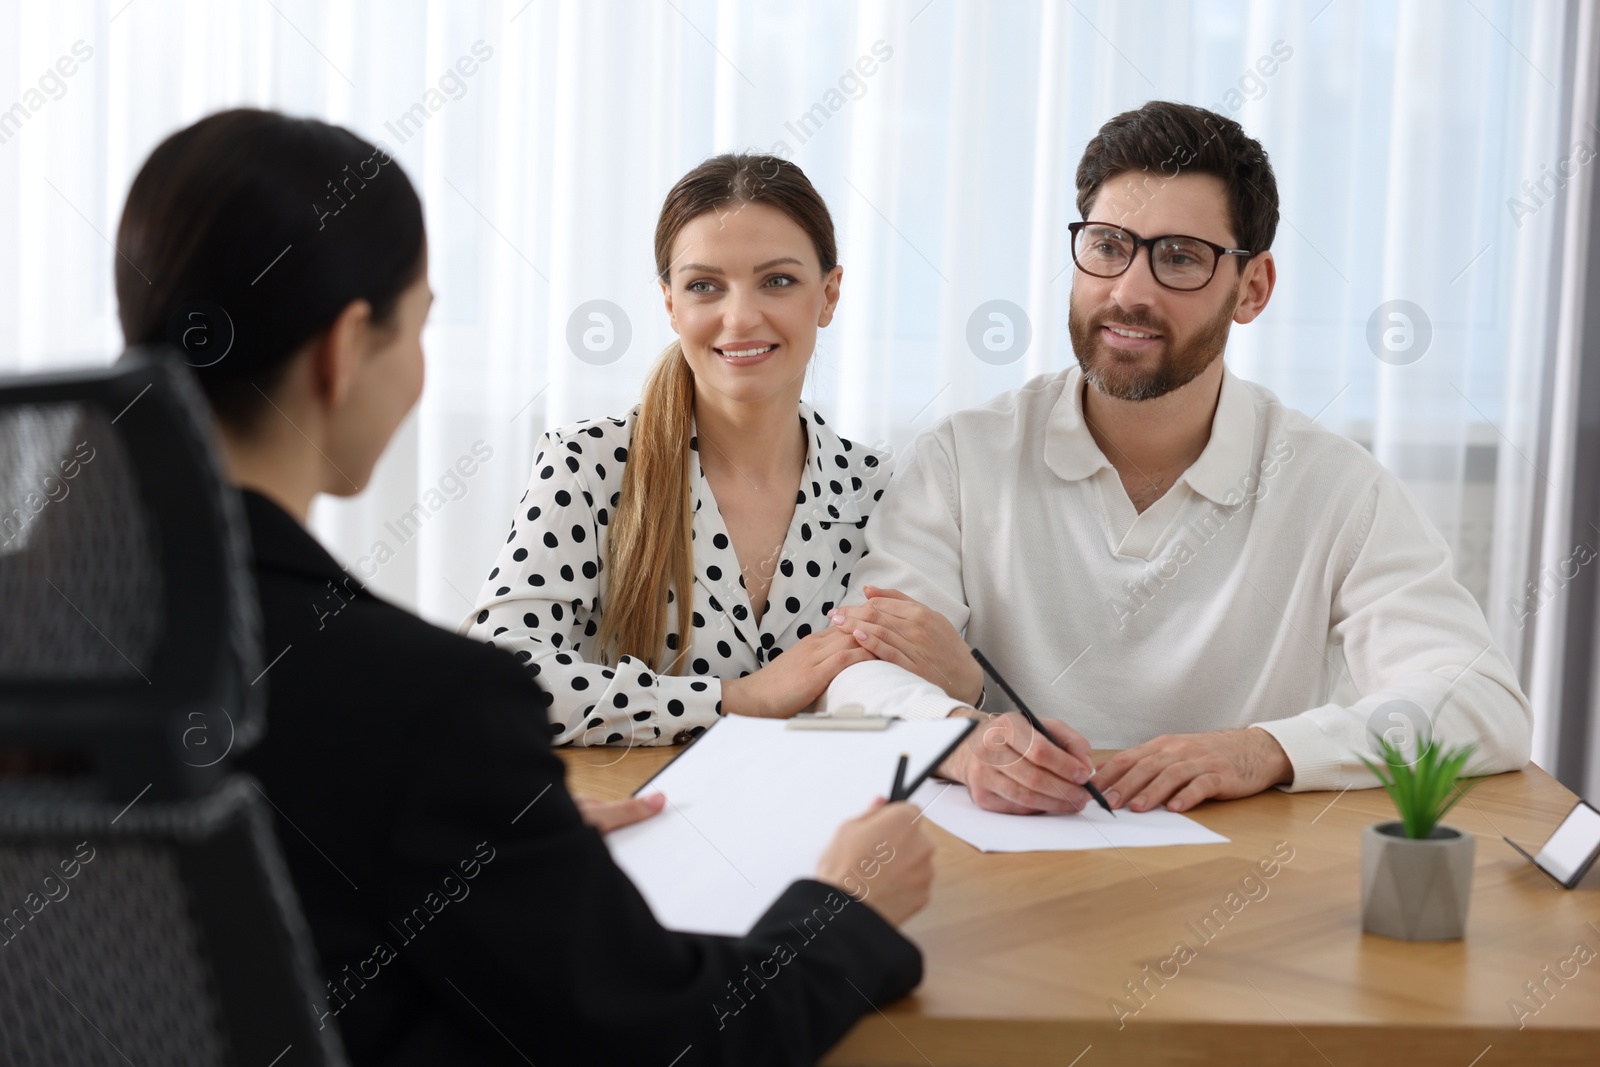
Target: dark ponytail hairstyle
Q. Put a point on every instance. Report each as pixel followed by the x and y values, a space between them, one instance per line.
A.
pixel 246 234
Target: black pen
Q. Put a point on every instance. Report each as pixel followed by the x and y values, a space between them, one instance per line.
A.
pixel 899 779
pixel 1033 720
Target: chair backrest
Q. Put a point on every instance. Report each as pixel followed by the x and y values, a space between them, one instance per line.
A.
pixel 128 620
pixel 162 932
pixel 146 914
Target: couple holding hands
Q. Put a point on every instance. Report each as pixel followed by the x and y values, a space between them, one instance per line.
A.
pixel 1153 550
pixel 1159 553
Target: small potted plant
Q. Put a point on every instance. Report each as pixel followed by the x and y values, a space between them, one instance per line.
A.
pixel 1416 875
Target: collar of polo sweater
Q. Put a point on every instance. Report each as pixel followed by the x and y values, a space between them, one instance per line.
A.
pixel 1070 450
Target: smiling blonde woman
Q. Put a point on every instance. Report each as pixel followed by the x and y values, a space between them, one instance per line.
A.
pixel 721 490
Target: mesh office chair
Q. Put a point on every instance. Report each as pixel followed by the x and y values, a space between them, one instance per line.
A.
pixel 146 914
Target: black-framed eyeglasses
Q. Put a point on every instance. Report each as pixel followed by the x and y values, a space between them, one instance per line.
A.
pixel 1177 261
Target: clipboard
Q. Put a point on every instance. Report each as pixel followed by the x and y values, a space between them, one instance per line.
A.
pixel 847 717
pixel 826 722
pixel 752 805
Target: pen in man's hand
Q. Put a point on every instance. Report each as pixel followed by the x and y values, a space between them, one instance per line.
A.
pixel 1033 720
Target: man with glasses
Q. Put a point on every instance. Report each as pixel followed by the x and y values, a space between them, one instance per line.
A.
pixel 1161 554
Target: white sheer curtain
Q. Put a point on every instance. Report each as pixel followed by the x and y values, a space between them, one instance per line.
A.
pixel 1415 143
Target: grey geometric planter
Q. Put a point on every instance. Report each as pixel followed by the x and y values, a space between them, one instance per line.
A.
pixel 1415 890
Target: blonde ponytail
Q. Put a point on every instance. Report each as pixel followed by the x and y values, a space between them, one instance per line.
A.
pixel 648 549
pixel 648 539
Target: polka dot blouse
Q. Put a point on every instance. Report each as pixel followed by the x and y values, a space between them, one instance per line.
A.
pixel 545 597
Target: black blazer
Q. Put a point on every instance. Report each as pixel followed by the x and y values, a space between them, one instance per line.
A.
pixel 463 911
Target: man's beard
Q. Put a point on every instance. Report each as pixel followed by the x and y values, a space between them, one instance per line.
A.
pixel 1105 371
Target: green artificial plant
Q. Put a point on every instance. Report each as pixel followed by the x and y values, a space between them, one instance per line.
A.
pixel 1423 789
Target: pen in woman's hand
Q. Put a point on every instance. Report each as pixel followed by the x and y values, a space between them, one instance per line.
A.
pixel 899 779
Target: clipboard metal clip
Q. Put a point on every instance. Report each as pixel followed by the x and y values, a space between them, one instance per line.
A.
pixel 846 717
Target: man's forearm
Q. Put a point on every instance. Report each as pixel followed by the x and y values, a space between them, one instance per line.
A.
pixel 1325 744
pixel 886 689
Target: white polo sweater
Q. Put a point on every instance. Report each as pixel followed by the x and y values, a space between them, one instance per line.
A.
pixel 1286 581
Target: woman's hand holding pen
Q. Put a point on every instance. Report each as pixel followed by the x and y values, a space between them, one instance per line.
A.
pixel 882 857
pixel 1008 768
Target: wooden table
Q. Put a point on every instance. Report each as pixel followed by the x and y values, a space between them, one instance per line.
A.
pixel 1027 955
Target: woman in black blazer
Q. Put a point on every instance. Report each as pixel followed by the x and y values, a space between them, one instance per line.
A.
pixel 463 909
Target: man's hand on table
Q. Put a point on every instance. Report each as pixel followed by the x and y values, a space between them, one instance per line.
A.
pixel 1181 770
pixel 609 815
pixel 1008 768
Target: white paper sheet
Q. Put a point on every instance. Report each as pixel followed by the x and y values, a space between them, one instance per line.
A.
pixel 989 831
pixel 750 808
